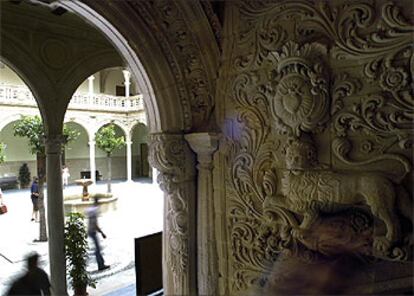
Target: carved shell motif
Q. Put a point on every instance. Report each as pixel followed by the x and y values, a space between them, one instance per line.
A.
pixel 300 101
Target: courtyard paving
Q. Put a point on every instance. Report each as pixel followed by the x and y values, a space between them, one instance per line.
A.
pixel 139 213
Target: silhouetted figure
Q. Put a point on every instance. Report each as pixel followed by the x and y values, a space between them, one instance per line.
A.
pixel 34 195
pixel 34 282
pixel 93 229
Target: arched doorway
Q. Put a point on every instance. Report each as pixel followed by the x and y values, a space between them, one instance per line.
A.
pixel 140 165
pixel 118 156
pixel 75 155
pixel 17 153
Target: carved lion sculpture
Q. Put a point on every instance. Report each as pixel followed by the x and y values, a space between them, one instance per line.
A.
pixel 308 188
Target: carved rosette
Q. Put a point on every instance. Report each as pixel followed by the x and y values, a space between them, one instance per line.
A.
pixel 172 157
pixel 300 102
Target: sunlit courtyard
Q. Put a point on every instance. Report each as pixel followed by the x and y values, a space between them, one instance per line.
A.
pixel 139 212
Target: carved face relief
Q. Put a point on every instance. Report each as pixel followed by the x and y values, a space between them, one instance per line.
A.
pixel 300 155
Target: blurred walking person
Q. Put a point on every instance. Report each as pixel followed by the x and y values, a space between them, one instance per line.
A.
pixel 93 229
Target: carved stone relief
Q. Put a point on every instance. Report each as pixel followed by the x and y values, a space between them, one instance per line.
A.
pixel 181 48
pixel 321 145
pixel 172 157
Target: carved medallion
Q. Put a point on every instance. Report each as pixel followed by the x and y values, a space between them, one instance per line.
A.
pixel 300 103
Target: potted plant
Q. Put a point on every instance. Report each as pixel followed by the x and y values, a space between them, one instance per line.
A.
pixel 76 253
pixel 24 176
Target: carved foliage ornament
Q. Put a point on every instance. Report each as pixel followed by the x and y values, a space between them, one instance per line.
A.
pixel 172 157
pixel 249 178
pixel 355 28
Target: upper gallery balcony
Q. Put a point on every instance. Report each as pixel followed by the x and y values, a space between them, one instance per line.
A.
pixel 22 96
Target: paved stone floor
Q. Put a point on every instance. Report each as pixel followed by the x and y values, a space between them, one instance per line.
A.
pixel 139 213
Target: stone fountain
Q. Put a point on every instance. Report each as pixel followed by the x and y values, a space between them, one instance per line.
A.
pixel 84 183
pixel 80 202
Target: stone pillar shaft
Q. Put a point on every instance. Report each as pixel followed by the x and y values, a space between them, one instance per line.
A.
pixel 55 214
pixel 154 175
pixel 129 160
pixel 127 82
pixel 204 145
pixel 174 160
pixel 92 164
pixel 90 85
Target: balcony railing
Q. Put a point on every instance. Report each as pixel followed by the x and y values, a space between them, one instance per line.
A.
pixel 22 96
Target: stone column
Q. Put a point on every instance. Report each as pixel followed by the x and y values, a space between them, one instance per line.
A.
pixel 154 175
pixel 55 214
pixel 127 82
pixel 92 165
pixel 204 145
pixel 90 85
pixel 174 160
pixel 129 160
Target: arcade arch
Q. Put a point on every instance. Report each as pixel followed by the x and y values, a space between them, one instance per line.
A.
pixel 17 149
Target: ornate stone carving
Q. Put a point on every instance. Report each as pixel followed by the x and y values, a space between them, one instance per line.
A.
pixel 300 102
pixel 181 48
pixel 249 177
pixel 172 157
pixel 309 190
pixel 366 48
pixel 214 20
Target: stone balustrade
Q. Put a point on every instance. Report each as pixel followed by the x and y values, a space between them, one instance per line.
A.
pixel 21 95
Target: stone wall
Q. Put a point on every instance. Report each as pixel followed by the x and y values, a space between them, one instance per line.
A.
pixel 11 168
pixel 78 165
pixel 315 102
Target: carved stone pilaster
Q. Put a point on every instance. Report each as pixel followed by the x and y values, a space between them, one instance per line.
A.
pixel 205 144
pixel 174 160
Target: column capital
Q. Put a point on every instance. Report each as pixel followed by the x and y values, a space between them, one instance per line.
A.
pixel 91 142
pixel 172 157
pixel 53 143
pixel 128 142
pixel 204 145
pixel 127 75
pixel 90 78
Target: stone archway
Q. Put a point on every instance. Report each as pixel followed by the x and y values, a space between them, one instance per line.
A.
pixel 178 93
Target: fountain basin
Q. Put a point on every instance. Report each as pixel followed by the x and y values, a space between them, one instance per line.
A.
pixel 74 203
